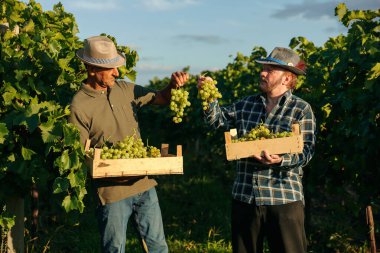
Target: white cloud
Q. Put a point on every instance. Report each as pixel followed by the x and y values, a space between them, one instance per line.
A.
pixel 164 5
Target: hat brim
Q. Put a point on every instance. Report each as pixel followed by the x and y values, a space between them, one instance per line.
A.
pixel 116 64
pixel 292 69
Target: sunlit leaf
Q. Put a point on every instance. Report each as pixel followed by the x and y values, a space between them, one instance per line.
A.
pixel 63 162
pixel 71 134
pixel 340 11
pixel 60 184
pixel 3 132
pixel 70 203
pixel 375 72
pixel 27 153
pixel 29 27
pixel 74 179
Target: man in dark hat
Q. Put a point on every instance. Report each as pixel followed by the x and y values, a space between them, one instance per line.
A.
pixel 267 195
pixel 105 110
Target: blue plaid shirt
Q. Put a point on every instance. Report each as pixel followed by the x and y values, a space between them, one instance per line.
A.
pixel 268 184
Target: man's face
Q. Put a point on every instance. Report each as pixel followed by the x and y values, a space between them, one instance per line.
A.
pixel 271 78
pixel 105 77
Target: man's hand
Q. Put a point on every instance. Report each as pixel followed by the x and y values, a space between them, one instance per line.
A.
pixel 201 79
pixel 265 158
pixel 178 79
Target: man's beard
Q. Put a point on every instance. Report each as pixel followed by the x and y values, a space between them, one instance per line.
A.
pixel 266 87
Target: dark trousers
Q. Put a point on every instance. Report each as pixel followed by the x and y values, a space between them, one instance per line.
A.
pixel 281 225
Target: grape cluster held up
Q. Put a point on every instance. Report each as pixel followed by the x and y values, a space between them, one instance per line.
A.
pixel 208 92
pixel 179 100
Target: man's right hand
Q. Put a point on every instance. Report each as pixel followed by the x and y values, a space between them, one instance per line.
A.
pixel 178 79
pixel 201 79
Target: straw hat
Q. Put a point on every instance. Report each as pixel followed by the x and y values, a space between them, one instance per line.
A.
pixel 285 58
pixel 100 51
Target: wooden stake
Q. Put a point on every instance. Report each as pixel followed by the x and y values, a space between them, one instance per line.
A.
pixel 15 237
pixel 371 226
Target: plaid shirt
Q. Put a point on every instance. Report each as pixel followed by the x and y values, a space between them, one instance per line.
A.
pixel 268 184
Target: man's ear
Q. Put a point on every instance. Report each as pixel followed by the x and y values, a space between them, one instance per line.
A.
pixel 90 70
pixel 287 78
pixel 290 80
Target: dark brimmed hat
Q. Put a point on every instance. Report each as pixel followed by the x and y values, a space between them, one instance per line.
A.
pixel 285 58
pixel 100 51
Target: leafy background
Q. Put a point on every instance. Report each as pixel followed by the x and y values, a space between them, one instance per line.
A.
pixel 39 150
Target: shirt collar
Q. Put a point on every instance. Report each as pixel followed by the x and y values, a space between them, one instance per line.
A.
pixel 92 92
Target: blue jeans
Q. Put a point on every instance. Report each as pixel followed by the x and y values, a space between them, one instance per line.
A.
pixel 113 220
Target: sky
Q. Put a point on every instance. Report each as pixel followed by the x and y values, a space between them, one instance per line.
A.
pixel 170 35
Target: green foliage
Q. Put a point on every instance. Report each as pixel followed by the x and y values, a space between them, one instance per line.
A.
pixel 39 74
pixel 342 77
pixel 342 87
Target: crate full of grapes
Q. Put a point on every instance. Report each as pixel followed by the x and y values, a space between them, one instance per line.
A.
pixel 131 158
pixel 261 138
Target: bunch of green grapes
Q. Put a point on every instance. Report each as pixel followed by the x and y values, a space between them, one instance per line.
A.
pixel 128 148
pixel 91 152
pixel 283 134
pixel 153 151
pixel 261 132
pixel 179 100
pixel 208 92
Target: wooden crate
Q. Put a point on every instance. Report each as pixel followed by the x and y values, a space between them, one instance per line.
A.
pixel 235 151
pixel 164 165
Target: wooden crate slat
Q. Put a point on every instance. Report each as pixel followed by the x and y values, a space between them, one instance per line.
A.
pixel 137 166
pixel 246 149
pixel 164 149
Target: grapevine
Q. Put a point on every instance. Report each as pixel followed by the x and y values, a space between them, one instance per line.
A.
pixel 128 148
pixel 208 92
pixel 179 101
pixel 261 132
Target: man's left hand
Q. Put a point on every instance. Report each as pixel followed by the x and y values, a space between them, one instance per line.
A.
pixel 268 159
pixel 178 79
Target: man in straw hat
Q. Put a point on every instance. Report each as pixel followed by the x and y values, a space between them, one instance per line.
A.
pixel 104 109
pixel 267 195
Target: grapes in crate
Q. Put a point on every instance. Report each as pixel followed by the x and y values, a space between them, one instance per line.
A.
pixel 261 132
pixel 129 148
